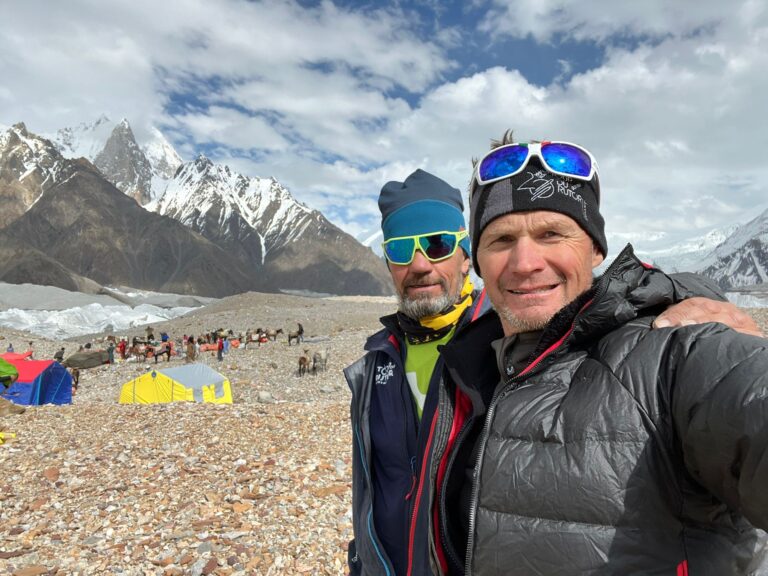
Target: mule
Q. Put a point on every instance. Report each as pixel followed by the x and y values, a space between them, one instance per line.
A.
pixel 271 334
pixel 320 361
pixel 304 363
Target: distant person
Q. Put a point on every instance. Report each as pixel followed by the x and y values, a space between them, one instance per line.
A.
pixel 75 378
pixel 121 346
pixel 30 349
pixel 191 350
pixel 220 349
pixel 59 355
pixel 150 333
pixel 111 352
pixel 10 348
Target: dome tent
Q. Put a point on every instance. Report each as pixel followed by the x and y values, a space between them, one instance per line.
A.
pixel 189 383
pixel 39 382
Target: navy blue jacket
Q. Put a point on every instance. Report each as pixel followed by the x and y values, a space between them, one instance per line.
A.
pixel 391 495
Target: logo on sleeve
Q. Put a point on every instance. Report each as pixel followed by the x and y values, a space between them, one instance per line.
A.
pixel 384 373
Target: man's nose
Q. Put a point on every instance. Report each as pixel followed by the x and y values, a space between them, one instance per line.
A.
pixel 526 256
pixel 420 262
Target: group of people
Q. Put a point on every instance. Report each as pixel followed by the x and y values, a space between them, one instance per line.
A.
pixel 553 423
pixel 29 351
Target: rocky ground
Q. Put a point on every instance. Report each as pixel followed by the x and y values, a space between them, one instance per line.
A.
pixel 258 487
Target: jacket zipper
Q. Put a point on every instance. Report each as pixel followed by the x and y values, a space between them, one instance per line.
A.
pixel 509 386
pixel 413 478
pixel 476 484
pixel 369 517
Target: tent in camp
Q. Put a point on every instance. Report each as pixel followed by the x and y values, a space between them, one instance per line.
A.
pixel 188 383
pixel 40 382
pixel 87 359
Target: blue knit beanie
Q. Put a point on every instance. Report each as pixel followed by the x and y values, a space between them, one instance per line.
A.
pixel 422 204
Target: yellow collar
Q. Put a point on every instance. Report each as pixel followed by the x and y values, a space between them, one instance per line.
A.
pixel 440 321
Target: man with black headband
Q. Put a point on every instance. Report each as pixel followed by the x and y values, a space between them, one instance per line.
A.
pixel 395 386
pixel 580 440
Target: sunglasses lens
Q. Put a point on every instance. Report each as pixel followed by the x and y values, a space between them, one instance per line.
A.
pixel 567 159
pixel 438 246
pixel 399 251
pixel 502 162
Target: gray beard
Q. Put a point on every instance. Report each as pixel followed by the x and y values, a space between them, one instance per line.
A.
pixel 418 308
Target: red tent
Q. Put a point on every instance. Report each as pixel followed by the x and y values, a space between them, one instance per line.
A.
pixel 39 382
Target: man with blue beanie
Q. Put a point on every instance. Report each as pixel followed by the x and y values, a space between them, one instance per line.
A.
pixel 396 391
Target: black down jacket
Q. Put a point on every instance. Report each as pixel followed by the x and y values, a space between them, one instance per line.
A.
pixel 623 450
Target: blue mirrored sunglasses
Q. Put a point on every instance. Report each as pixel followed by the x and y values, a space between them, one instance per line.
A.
pixel 562 158
pixel 436 246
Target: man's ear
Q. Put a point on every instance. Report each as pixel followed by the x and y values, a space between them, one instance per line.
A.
pixel 465 265
pixel 597 256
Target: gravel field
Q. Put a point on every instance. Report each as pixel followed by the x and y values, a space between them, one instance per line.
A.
pixel 258 487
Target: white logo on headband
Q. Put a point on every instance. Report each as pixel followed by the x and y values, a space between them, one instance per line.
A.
pixel 541 184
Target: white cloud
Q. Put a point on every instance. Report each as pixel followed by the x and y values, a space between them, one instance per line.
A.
pixel 230 128
pixel 598 20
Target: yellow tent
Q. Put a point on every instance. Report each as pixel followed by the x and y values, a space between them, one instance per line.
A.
pixel 188 383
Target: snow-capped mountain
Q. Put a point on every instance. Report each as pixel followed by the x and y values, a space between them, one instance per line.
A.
pixel 125 165
pixel 686 256
pixel 372 238
pixel 162 156
pixel 260 214
pixel 85 140
pixel 259 221
pixel 140 171
pixel 279 243
pixel 742 259
pixel 64 224
pixel 29 165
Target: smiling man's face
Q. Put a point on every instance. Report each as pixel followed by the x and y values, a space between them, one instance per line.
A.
pixel 533 264
pixel 426 288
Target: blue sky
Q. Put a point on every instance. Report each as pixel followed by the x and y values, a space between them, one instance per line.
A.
pixel 335 98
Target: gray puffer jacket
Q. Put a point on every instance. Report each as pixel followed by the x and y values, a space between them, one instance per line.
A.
pixel 620 450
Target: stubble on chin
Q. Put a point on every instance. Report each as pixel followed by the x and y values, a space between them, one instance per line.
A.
pixel 520 325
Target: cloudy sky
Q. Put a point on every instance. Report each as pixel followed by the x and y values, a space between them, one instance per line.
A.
pixel 334 98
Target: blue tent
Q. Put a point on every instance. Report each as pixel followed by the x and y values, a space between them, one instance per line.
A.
pixel 40 382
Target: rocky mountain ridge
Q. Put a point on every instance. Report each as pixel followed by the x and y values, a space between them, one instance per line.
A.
pixel 742 258
pixel 278 243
